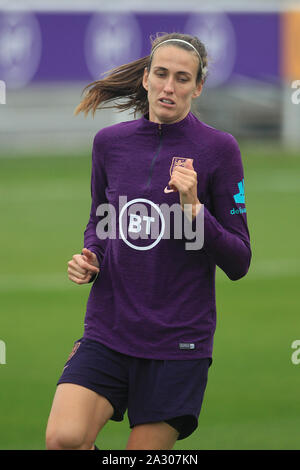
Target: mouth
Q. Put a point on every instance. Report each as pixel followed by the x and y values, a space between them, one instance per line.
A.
pixel 167 102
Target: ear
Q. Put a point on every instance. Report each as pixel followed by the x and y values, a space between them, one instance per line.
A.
pixel 198 90
pixel 145 79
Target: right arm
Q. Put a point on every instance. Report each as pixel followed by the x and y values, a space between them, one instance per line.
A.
pixel 84 267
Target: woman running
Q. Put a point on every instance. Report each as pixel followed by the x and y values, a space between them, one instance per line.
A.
pixel 151 313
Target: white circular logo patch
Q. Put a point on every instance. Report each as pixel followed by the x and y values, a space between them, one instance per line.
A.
pixel 20 48
pixel 216 32
pixel 111 40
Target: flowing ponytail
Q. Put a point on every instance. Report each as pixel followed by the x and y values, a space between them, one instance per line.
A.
pixel 121 82
pixel 126 81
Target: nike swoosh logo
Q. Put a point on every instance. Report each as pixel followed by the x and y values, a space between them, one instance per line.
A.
pixel 166 190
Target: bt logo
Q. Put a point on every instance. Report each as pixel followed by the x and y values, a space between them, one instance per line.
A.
pixel 137 226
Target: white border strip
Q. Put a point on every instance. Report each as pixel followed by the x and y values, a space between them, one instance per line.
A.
pixel 78 6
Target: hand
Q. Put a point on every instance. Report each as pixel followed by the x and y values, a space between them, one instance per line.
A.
pixel 82 267
pixel 184 180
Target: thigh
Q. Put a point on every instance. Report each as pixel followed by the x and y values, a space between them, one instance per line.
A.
pixel 101 370
pixel 152 436
pixel 91 390
pixel 77 415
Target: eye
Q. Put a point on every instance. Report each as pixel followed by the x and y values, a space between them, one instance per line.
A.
pixel 183 79
pixel 160 74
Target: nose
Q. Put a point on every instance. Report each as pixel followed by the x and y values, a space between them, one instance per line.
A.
pixel 169 85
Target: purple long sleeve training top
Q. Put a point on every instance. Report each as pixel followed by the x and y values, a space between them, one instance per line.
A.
pixel 153 297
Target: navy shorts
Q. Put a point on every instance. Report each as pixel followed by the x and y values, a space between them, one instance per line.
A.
pixel 152 390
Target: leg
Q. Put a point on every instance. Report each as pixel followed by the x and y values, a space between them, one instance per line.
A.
pixel 152 436
pixel 76 417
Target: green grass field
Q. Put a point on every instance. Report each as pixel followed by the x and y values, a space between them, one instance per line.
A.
pixel 252 397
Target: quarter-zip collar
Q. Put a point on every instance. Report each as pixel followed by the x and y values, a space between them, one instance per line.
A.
pixel 165 129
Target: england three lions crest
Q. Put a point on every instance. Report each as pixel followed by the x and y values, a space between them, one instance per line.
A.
pixel 176 161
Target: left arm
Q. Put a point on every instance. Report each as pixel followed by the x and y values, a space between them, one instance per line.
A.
pixel 226 235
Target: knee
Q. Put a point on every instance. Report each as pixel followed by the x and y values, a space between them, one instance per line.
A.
pixel 66 439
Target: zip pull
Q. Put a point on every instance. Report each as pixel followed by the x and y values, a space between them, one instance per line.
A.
pixel 156 154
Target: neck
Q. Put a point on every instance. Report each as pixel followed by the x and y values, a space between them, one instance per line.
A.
pixel 155 119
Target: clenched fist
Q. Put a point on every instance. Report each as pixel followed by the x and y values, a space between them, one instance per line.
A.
pixel 184 180
pixel 81 268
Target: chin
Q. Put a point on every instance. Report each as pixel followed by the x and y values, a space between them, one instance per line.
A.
pixel 167 118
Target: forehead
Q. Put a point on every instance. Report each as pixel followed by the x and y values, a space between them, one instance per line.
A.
pixel 176 59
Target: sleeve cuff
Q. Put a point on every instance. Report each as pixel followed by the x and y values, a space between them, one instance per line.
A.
pixel 94 277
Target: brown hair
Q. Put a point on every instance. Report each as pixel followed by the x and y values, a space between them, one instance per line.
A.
pixel 126 81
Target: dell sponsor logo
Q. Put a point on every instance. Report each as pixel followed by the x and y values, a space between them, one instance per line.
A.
pixel 240 196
